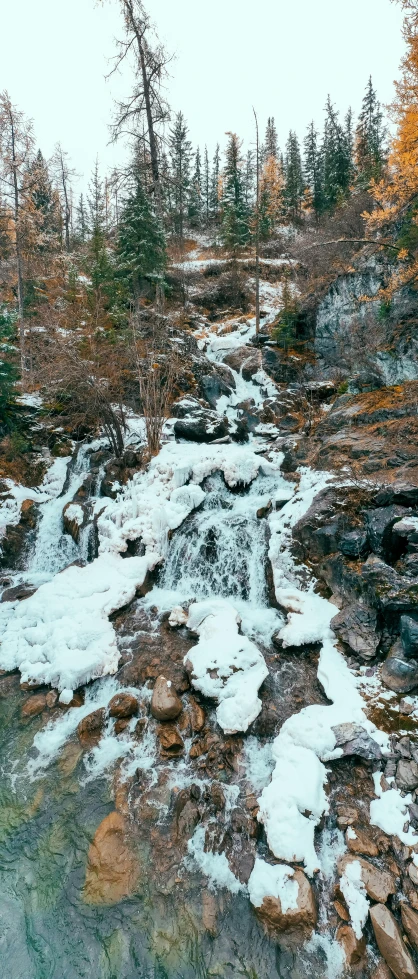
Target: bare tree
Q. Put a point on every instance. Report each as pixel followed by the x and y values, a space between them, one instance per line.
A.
pixel 257 230
pixel 63 174
pixel 156 372
pixel 146 110
pixel 16 148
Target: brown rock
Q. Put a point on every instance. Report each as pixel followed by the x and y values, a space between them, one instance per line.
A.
pixel 112 866
pixel 303 917
pixel 123 705
pixel 413 873
pixel 197 716
pixel 165 704
pixel 140 727
pixel 363 843
pixel 218 796
pixel 90 728
pixel 170 739
pixel 341 910
pixel 51 698
pixel 378 883
pixel 382 971
pixel 34 706
pixel 77 701
pixel 121 725
pixel 209 912
pixel 410 923
pixel 390 943
pixel 354 948
pixel 346 815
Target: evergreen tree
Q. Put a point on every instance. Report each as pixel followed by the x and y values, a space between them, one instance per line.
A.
pixel 313 171
pixel 235 222
pixel 215 186
pixel 81 220
pixel 370 140
pixel 294 187
pixel 141 243
pixel 43 199
pixel 196 195
pixel 96 203
pixel 180 153
pixel 337 160
pixel 270 197
pixel 271 145
pixel 249 178
pixel 206 187
pixel 8 372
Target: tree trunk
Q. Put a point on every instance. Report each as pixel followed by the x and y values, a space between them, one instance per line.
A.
pixel 19 268
pixel 150 122
pixel 257 234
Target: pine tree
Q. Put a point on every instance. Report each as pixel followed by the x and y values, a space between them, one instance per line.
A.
pixel 96 203
pixel 235 219
pixel 180 153
pixel 81 220
pixel 141 242
pixel 271 145
pixel 370 143
pixel 196 195
pixel 206 187
pixel 337 160
pixel 45 203
pixel 294 187
pixel 215 187
pixel 313 171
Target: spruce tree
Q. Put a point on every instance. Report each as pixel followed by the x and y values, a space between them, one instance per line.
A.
pixel 337 160
pixel 235 219
pixel 196 195
pixel 271 145
pixel 141 246
pixel 96 203
pixel 206 187
pixel 81 220
pixel 180 154
pixel 370 141
pixel 215 186
pixel 294 187
pixel 313 171
pixel 45 204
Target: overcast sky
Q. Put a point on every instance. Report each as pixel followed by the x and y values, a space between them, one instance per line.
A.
pixel 283 57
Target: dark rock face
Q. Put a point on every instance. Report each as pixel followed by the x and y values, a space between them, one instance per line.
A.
pixel 356 626
pixel 214 387
pixel 388 590
pixel 399 673
pixel 379 524
pixel 205 426
pixel 402 494
pixel 409 635
pixel 354 544
pixel 354 740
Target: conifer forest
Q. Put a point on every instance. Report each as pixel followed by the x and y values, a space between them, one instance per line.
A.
pixel 209 533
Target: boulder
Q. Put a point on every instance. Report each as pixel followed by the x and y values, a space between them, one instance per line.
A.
pixel 34 706
pixel 123 705
pixel 399 673
pixel 402 494
pixel 170 739
pixel 409 635
pixel 382 971
pixel 112 866
pixel 379 884
pixel 354 740
pixel 361 843
pixel 251 365
pixel 197 716
pixel 410 923
pixel 379 524
pixel 354 544
pixel 354 948
pixel 407 775
pixel 390 943
pixel 356 625
pixel 165 704
pixel 17 593
pixel 74 517
pixel 90 728
pixel 388 590
pixel 214 387
pixel 205 426
pixel 303 917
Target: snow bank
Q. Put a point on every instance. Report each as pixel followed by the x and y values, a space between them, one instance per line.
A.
pixel 354 891
pixel 61 635
pixel 390 812
pixel 225 666
pixel 268 881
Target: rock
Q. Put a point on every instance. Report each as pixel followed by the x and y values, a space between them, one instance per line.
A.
pixel 178 617
pixel 389 591
pixel 170 739
pixel 17 593
pixel 354 740
pixel 378 883
pixel 264 511
pixel 354 544
pixel 382 971
pixel 379 524
pixel 217 796
pixel 112 866
pixel 131 459
pixel 390 943
pixel 74 516
pixel 410 923
pixel 362 843
pixel 399 673
pixel 356 625
pixel 205 426
pixel 121 725
pixel 34 706
pixel 354 948
pixel 197 716
pixel 165 704
pixel 140 727
pixel 346 815
pixel 90 728
pixel 123 705
pixel 304 916
pixel 214 387
pixel 409 635
pixel 403 494
pixel 51 698
pixel 77 700
pixel 341 911
pixel 407 775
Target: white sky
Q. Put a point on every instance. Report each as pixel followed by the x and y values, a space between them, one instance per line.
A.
pixel 283 57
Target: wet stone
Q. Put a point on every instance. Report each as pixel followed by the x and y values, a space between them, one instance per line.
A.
pixel 410 924
pixel 170 739
pixel 390 943
pixel 165 704
pixel 354 948
pixel 90 728
pixel 34 706
pixel 123 705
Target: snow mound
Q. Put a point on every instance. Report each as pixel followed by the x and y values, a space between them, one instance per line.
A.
pixel 268 881
pixel 225 666
pixel 61 635
pixel 354 891
pixel 390 812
